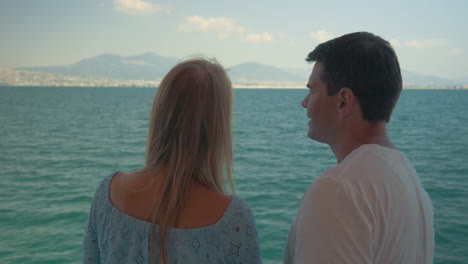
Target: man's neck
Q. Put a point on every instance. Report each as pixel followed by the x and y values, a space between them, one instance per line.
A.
pixel 359 135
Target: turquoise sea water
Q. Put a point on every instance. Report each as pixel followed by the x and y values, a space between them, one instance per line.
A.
pixel 57 144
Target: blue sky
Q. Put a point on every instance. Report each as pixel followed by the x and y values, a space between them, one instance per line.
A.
pixel 430 37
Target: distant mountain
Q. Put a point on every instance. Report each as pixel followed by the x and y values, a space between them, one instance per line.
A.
pixel 150 67
pixel 409 78
pixel 147 66
pixel 262 72
pixel 303 72
pixel 463 80
pixel 416 79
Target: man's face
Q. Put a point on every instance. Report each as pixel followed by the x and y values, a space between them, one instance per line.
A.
pixel 321 108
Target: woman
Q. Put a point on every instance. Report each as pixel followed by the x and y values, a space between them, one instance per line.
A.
pixel 175 209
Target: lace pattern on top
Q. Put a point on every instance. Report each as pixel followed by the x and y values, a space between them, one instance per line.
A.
pixel 113 237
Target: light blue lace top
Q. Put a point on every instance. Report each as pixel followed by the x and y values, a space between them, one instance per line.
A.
pixel 114 237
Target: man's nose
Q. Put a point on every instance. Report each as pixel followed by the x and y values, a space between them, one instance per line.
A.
pixel 304 102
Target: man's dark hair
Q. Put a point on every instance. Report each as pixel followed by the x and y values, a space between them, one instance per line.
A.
pixel 368 65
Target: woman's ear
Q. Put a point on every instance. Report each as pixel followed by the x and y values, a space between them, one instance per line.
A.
pixel 346 101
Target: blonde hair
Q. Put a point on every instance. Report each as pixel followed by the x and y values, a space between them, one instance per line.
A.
pixel 190 137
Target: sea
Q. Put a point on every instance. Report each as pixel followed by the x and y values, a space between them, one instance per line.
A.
pixel 58 143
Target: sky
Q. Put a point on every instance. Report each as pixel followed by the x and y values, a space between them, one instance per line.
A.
pixel 430 37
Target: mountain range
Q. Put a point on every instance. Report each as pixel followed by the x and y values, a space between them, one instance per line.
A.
pixel 150 67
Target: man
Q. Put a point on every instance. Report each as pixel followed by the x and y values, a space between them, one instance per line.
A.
pixel 370 207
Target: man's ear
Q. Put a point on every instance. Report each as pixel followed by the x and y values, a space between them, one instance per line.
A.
pixel 346 101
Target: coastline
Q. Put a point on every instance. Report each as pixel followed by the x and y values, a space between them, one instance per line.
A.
pixel 17 78
pixel 464 87
pixel 235 86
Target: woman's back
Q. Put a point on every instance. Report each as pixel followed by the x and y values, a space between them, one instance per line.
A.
pixel 220 236
pixel 137 195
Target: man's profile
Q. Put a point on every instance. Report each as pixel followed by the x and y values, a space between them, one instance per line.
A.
pixel 370 207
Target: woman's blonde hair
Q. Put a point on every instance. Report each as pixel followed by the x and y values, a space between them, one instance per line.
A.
pixel 190 137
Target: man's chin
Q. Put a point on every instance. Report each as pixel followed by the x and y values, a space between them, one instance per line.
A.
pixel 314 137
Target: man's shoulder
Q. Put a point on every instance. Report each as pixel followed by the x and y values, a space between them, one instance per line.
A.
pixel 367 161
pixel 343 172
pixel 323 187
pixel 369 172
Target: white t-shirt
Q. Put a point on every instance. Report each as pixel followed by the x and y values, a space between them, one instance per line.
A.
pixel 370 208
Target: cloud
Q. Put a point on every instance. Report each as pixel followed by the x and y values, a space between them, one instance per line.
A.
pixel 282 35
pixel 136 7
pixel 259 38
pixel 395 43
pixel 455 52
pixel 321 36
pixel 223 27
pixel 426 43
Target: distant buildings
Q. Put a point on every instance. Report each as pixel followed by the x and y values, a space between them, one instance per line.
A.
pixel 10 77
